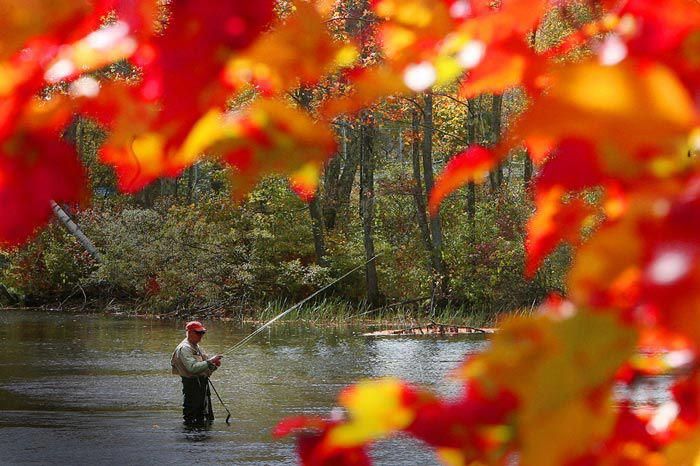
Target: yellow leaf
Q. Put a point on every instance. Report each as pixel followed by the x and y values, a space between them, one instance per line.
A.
pixel 451 456
pixel 209 129
pixel 304 181
pixel 546 443
pixel 20 21
pixel 300 50
pixel 561 370
pixel 684 452
pixel 375 408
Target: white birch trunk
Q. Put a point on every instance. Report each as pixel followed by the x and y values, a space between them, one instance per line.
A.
pixel 75 230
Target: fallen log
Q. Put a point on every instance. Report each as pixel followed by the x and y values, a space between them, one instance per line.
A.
pixel 432 328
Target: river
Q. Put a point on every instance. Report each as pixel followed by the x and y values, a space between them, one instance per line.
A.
pixel 95 389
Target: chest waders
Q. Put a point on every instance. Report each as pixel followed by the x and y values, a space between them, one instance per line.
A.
pixel 196 407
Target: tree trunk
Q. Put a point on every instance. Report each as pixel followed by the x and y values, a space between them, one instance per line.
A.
pixel 331 181
pixel 471 187
pixel 347 177
pixel 471 206
pixel 428 176
pixel 367 211
pixel 190 184
pixel 527 171
pixel 74 230
pixel 192 174
pixel 317 230
pixel 314 205
pixel 496 176
pixel 418 196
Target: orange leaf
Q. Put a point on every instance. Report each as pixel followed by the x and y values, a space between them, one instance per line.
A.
pixel 413 28
pixel 376 408
pixel 606 269
pixel 582 352
pixel 141 163
pixel 367 86
pixel 99 48
pixel 513 18
pixel 269 137
pixel 22 21
pixel 630 109
pixel 471 165
pixel 505 65
pixel 552 222
pixel 304 181
pixel 297 52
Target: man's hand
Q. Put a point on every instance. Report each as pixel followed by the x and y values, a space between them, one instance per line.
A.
pixel 216 360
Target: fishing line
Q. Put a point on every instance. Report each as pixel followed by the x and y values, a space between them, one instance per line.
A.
pixel 296 306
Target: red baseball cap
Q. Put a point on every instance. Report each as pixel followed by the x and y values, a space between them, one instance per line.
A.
pixel 195 326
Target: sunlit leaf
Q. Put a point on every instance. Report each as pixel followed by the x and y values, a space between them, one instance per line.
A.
pixel 269 137
pixel 471 165
pixel 504 66
pixel 104 46
pixel 184 80
pixel 144 161
pixel 22 21
pixel 413 28
pixel 298 52
pixel 304 181
pixel 638 114
pixel 629 444
pixel 582 352
pixel 685 451
pixel 367 85
pixel 606 270
pixel 512 17
pixel 554 221
pixel 375 409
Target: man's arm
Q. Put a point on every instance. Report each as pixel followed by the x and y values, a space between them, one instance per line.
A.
pixel 214 360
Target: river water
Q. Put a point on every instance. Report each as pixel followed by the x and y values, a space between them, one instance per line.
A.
pixel 95 389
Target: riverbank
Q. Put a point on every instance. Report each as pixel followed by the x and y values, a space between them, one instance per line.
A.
pixel 322 313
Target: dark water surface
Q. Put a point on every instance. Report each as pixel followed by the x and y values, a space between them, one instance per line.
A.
pixel 98 390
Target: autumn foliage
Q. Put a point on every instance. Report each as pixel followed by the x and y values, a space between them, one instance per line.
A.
pixel 612 124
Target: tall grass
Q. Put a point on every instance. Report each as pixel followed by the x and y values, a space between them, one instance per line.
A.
pixel 334 311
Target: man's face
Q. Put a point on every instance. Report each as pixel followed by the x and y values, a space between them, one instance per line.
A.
pixel 195 336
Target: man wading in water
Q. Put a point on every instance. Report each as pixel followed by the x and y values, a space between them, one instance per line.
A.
pixel 191 363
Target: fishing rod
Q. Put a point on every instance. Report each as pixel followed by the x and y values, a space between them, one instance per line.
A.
pixel 297 305
pixel 228 418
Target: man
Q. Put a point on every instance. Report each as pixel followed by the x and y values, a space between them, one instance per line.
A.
pixel 194 367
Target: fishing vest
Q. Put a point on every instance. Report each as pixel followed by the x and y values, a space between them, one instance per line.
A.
pixel 177 361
